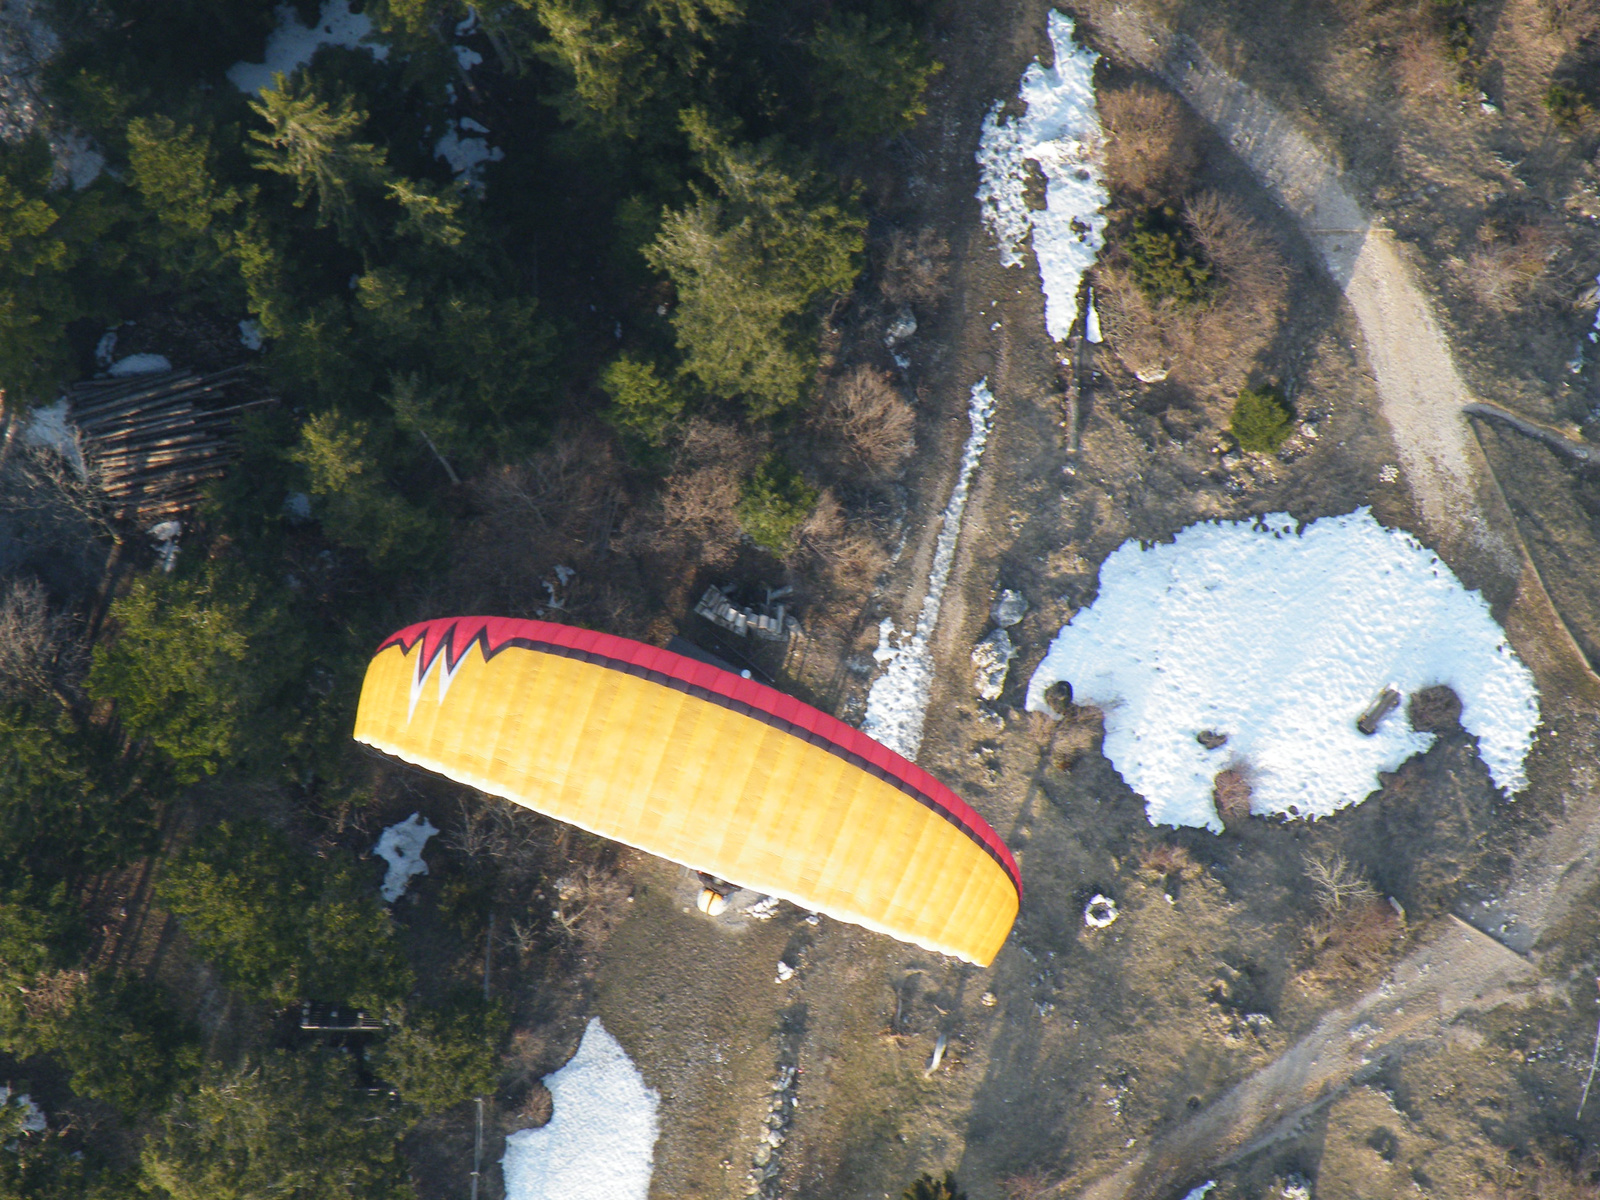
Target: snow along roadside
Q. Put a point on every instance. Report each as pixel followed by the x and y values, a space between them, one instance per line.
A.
pixel 897 705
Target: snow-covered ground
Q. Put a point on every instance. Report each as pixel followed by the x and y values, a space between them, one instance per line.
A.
pixel 292 44
pixel 1281 641
pixel 140 364
pixel 466 148
pixel 50 426
pixel 401 847
pixel 1060 131
pixel 600 1142
pixel 33 1119
pixel 897 705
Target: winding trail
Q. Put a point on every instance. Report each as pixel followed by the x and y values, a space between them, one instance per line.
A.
pixel 1457 968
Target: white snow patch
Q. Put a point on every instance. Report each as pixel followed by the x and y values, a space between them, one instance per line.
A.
pixel 77 161
pixel 105 350
pixel 401 846
pixel 1091 322
pixel 467 154
pixel 897 704
pixel 291 45
pixel 600 1142
pixel 50 426
pixel 249 334
pixel 1281 640
pixel 1201 1192
pixel 1060 131
pixel 140 364
pixel 33 1120
pixel 467 57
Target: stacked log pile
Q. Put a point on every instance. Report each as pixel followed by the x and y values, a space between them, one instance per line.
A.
pixel 154 441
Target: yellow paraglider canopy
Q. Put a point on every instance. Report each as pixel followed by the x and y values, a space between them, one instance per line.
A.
pixel 695 764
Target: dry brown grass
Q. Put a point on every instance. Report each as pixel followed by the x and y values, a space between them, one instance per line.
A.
pixel 1033 1185
pixel 1231 791
pixel 1573 21
pixel 914 267
pixel 869 421
pixel 1422 67
pixel 1535 1177
pixel 1150 147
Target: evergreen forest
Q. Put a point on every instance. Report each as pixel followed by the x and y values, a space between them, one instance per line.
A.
pixel 606 346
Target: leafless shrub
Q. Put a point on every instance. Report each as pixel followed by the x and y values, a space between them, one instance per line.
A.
pixel 535 1111
pixel 1354 943
pixel 56 494
pixel 1214 346
pixel 692 520
pixel 559 506
pixel 1150 150
pixel 1081 729
pixel 844 554
pixel 1167 859
pixel 1231 792
pixel 591 897
pixel 1505 273
pixel 1336 885
pixel 865 413
pixel 1435 709
pixel 473 836
pixel 914 267
pixel 36 643
pixel 1236 246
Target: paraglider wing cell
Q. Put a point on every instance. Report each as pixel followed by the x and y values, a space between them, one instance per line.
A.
pixel 693 763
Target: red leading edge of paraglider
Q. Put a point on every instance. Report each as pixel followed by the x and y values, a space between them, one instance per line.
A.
pixel 454 636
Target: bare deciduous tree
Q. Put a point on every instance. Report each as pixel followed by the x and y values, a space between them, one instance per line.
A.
pixel 37 643
pixel 1336 885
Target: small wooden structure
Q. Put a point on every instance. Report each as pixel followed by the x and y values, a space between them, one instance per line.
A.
pixel 154 441
pixel 333 1018
pixel 1388 700
pixel 775 626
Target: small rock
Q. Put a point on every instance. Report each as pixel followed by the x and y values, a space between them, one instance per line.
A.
pixel 1210 739
pixel 1100 912
pixel 991 659
pixel 988 999
pixel 1009 608
pixel 902 327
